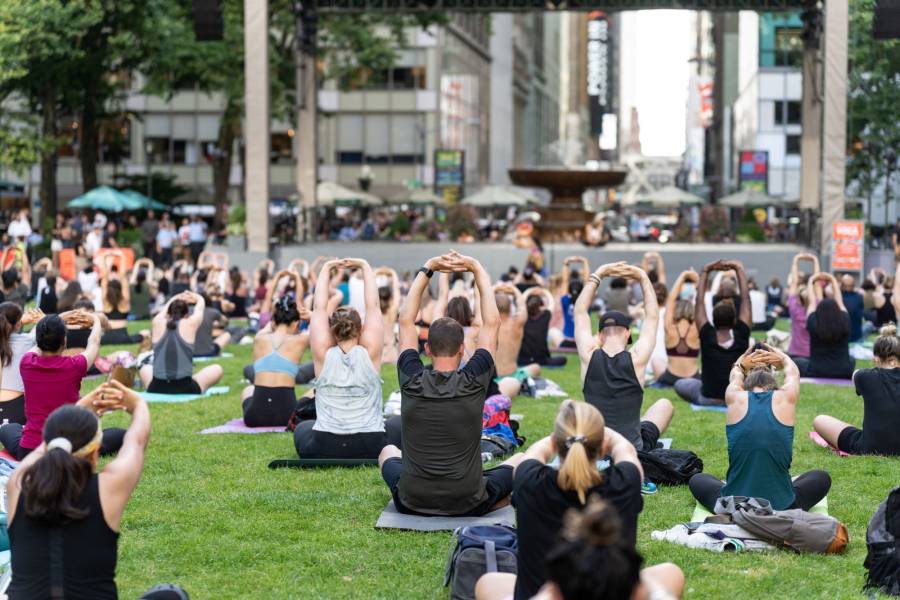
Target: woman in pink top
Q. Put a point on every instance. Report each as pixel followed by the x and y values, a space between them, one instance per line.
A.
pixel 52 380
pixel 798 300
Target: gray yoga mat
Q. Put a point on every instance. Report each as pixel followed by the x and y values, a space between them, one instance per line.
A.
pixel 391 519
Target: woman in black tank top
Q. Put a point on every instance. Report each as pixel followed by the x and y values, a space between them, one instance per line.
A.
pixel 67 536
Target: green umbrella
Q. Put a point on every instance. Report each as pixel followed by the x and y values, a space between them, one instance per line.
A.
pixel 142 202
pixel 104 198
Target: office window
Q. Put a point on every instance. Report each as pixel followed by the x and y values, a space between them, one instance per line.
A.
pixel 792 144
pixel 158 150
pixel 377 143
pixel 179 151
pixel 380 139
pixel 350 139
pixel 281 145
pixel 787 113
pixel 788 47
pixel 407 139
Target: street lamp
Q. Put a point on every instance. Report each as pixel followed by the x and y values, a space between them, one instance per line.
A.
pixel 148 150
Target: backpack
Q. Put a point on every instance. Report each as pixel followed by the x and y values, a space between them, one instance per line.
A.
pixel 883 543
pixel 477 550
pixel 306 411
pixel 669 467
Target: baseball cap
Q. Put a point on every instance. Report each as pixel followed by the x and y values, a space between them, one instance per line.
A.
pixel 614 318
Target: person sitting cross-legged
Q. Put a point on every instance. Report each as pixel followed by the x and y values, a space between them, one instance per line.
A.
pixel 609 370
pixel 722 342
pixel 880 389
pixel 439 470
pixel 829 329
pixel 760 431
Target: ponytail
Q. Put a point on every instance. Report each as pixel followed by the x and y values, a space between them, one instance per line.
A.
pixel 578 435
pixel 10 315
pixel 178 309
pixel 52 487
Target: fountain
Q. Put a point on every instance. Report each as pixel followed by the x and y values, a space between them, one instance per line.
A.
pixel 565 216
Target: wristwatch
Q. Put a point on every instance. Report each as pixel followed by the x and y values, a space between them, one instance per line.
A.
pixel 428 272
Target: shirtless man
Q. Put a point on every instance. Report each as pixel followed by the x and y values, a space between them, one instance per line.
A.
pixel 512 328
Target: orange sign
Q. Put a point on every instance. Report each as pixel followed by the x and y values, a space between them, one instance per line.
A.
pixel 847 239
pixel 67 269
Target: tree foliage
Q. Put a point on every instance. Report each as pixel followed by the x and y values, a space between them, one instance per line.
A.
pixel 874 95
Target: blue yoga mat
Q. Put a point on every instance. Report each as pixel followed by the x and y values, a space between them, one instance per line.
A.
pixel 696 407
pixel 177 398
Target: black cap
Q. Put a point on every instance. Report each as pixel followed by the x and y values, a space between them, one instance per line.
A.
pixel 613 318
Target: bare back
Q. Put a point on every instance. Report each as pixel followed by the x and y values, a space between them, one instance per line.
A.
pixel 509 341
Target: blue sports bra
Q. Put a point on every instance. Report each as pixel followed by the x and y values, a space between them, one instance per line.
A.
pixel 273 362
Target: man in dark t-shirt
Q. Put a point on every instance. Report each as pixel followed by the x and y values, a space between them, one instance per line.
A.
pixel 439 470
pixel 722 342
pixel 854 303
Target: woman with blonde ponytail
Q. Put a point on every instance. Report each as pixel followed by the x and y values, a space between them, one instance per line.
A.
pixel 543 494
pixel 880 389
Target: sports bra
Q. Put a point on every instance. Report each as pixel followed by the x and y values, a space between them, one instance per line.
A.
pixel 275 362
pixel 682 349
pixel 116 315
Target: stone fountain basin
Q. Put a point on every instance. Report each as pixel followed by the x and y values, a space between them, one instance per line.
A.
pixel 566 181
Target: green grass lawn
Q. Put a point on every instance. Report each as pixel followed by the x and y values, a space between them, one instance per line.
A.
pixel 210 516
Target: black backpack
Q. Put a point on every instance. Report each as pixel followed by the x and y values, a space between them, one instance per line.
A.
pixel 882 540
pixel 669 467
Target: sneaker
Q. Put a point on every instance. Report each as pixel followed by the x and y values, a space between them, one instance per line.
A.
pixel 648 488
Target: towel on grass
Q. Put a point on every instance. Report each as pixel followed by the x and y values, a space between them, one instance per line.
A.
pixel 700 512
pixel 712 407
pixel 203 359
pixel 545 388
pixel 238 426
pixel 826 381
pixel 177 398
pixel 820 441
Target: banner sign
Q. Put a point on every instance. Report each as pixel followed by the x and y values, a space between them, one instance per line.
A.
pixel 449 174
pixel 847 244
pixel 598 49
pixel 753 173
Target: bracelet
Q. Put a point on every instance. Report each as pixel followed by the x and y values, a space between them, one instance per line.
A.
pixel 595 279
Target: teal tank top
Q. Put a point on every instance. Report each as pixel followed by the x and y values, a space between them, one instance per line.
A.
pixel 760 450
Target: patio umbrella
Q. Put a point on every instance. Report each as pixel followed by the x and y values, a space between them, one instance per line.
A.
pixel 498 195
pixel 106 199
pixel 143 202
pixel 671 197
pixel 330 193
pixel 416 196
pixel 746 198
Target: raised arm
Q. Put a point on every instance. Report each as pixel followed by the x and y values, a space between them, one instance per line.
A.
pixel 535 291
pixel 643 348
pixel 700 316
pixel 621 450
pixel 320 337
pixel 490 316
pixel 443 297
pixel 791 386
pixel 92 349
pixel 746 313
pixel 372 335
pixel 895 296
pixel 585 341
pixel 735 390
pixel 195 319
pixel 406 319
pixel 675 294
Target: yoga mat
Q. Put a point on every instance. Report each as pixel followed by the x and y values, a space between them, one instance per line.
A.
pixel 391 519
pixel 826 381
pixel 203 359
pixel 238 426
pixel 315 463
pixel 178 398
pixel 562 350
pixel 820 441
pixel 698 407
pixel 8 456
pixel 700 512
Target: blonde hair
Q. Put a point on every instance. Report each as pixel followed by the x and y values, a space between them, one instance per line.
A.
pixel 578 434
pixel 887 346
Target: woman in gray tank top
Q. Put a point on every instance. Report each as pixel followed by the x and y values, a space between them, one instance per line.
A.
pixel 174 332
pixel 347 353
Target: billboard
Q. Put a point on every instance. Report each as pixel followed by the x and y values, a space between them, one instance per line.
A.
pixel 598 69
pixel 753 172
pixel 847 243
pixel 449 174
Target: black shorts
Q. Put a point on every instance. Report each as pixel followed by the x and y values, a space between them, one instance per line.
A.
pixel 850 440
pixel 310 443
pixel 269 406
pixel 186 385
pixel 498 482
pixel 217 350
pixel 119 336
pixel 667 379
pixel 649 435
pixel 13 410
pixel 568 343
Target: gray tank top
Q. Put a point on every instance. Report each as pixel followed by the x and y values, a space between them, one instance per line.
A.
pixel 173 358
pixel 348 393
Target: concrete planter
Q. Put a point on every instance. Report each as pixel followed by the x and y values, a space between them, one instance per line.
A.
pixel 236 243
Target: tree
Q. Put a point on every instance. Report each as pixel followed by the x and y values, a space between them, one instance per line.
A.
pixel 40 49
pixel 348 45
pixel 874 95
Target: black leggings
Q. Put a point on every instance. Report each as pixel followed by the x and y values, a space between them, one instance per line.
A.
pixel 11 435
pixel 13 411
pixel 269 406
pixel 120 336
pixel 321 444
pixel 809 489
pixel 807 369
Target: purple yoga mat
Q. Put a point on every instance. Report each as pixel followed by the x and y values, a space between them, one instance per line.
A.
pixel 237 426
pixel 826 381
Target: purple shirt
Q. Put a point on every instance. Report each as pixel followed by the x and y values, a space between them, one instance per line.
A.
pixel 50 382
pixel 799 334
